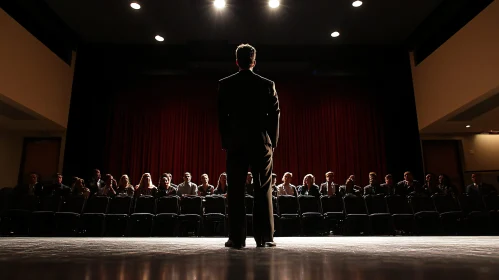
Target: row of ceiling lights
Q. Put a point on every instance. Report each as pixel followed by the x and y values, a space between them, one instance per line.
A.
pixel 220 4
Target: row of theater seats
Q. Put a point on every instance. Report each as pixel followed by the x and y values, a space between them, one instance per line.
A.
pixel 306 215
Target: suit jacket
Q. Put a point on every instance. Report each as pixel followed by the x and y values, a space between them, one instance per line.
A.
pixel 248 111
pixel 376 189
pixel 325 191
pixel 23 190
pixel 480 189
pixel 314 190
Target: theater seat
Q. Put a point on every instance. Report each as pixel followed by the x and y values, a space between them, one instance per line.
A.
pixel 356 219
pixel 333 212
pixel 93 219
pixel 381 221
pixel 67 220
pixel 166 220
pixel 248 204
pixel 451 216
pixel 426 217
pixel 16 219
pixel 289 214
pixel 277 220
pixel 42 222
pixel 312 221
pixel 401 211
pixel 190 219
pixel 214 216
pixel 142 220
pixel 476 218
pixel 117 216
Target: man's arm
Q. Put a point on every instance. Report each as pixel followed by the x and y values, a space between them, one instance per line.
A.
pixel 274 113
pixel 223 115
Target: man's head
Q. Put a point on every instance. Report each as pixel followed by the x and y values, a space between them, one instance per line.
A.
pixel 249 178
pixel 373 177
pixel 329 176
pixel 96 174
pixel 476 178
pixel 245 57
pixel 274 178
pixel 58 178
pixel 287 177
pixel 187 177
pixel 408 176
pixel 389 179
pixel 33 178
pixel 429 177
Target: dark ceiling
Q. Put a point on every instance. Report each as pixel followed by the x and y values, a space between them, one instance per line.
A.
pixel 299 22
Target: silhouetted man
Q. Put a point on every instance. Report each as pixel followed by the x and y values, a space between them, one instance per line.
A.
pixel 248 112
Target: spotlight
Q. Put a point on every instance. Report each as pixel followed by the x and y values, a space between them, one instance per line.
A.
pixel 357 3
pixel 335 34
pixel 159 38
pixel 468 126
pixel 135 5
pixel 274 3
pixel 219 4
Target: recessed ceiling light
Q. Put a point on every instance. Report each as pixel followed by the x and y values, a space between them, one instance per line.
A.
pixel 357 4
pixel 135 5
pixel 335 34
pixel 468 126
pixel 274 3
pixel 159 38
pixel 219 4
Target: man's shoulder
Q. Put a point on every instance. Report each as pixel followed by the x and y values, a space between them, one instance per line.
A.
pixel 228 78
pixel 270 82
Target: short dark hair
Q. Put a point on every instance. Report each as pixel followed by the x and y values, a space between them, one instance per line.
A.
pixel 245 55
pixel 274 175
pixel 388 176
pixel 57 175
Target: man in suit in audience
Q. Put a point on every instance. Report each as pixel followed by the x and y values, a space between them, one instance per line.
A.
pixel 408 186
pixel 95 182
pixel 479 188
pixel 187 187
pixel 57 188
pixel 389 185
pixel 32 188
pixel 248 113
pixel 374 188
pixel 329 188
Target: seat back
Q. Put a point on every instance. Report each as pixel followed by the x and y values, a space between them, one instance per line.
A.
pixel 309 204
pixel 49 203
pixel 191 205
pixel 354 205
pixel 96 204
pixel 470 203
pixel 288 204
pixel 73 204
pixel 398 205
pixel 275 206
pixel 248 202
pixel 168 205
pixel 145 204
pixel 5 194
pixel 422 203
pixel 376 204
pixel 445 204
pixel 214 204
pixel 27 202
pixel 332 204
pixel 491 202
pixel 120 205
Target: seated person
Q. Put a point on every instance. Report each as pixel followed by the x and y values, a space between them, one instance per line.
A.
pixel 79 189
pixel 444 186
pixel 221 185
pixel 389 186
pixel 479 188
pixel 430 186
pixel 329 188
pixel 57 188
pixel 145 186
pixel 171 179
pixel 348 189
pixel 273 184
pixel 109 187
pixel 309 187
pixel 286 188
pixel 357 188
pixel 95 182
pixel 124 187
pixel 248 186
pixel 374 188
pixel 187 187
pixel 408 186
pixel 33 187
pixel 165 187
pixel 204 188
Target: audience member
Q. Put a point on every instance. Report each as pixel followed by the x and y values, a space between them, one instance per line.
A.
pixel 57 188
pixel 374 188
pixel 221 184
pixel 248 186
pixel 408 186
pixel 286 188
pixel 95 182
pixel 349 189
pixel 32 188
pixel 273 184
pixel 430 186
pixel 145 186
pixel 478 187
pixel 109 187
pixel 205 188
pixel 79 188
pixel 329 188
pixel 165 187
pixel 124 187
pixel 389 186
pixel 187 187
pixel 309 187
pixel 356 187
pixel 444 186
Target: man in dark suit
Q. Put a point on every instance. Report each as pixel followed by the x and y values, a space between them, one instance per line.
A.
pixel 248 113
pixel 57 188
pixel 329 188
pixel 479 188
pixel 95 182
pixel 32 188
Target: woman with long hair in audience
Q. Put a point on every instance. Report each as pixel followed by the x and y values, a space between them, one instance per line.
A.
pixel 79 189
pixel 221 185
pixel 145 186
pixel 445 186
pixel 165 187
pixel 309 187
pixel 124 187
pixel 205 188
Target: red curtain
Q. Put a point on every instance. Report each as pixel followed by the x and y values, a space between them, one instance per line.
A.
pixel 169 124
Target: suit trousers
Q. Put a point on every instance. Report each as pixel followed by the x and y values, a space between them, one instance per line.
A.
pixel 259 158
